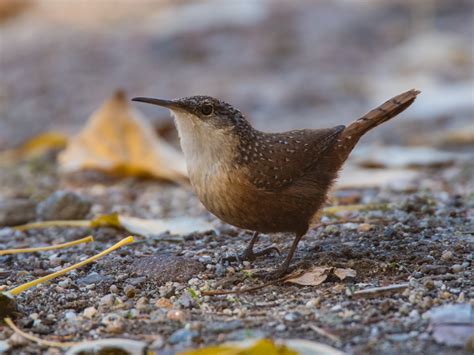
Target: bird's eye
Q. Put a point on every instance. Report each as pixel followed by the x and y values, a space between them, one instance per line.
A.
pixel 207 109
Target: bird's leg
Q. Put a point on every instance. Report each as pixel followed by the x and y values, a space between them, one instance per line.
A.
pixel 282 270
pixel 251 255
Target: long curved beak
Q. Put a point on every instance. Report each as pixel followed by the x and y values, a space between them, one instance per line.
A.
pixel 164 103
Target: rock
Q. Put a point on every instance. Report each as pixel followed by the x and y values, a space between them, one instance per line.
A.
pixel 113 322
pixel 292 316
pixel 70 316
pixel 182 336
pixel 16 340
pixel 176 315
pixel 447 255
pixel 161 269
pixel 365 227
pixel 89 312
pixel 280 328
pixel 142 304
pixel 91 278
pixel 63 205
pixel 451 324
pixel 186 300
pixel 314 302
pixel 457 268
pixel 16 211
pixel 107 300
pixel 164 303
pixel 434 269
pixel 4 346
pixel 224 327
pixel 130 291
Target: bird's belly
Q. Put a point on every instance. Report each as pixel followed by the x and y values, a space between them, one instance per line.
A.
pixel 240 204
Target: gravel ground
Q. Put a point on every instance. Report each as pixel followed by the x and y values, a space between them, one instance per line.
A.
pixel 151 290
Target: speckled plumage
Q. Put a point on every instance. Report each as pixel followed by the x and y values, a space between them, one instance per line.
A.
pixel 265 182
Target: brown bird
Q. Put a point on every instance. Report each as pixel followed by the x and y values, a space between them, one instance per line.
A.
pixel 265 182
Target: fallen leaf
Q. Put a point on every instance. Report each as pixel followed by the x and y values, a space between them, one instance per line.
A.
pixel 343 273
pixel 263 346
pixel 452 324
pixel 403 157
pixel 35 146
pixel 109 346
pixel 152 228
pixel 267 346
pixel 354 177
pixel 311 277
pixel 117 140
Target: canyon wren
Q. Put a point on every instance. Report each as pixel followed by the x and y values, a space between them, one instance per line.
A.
pixel 265 182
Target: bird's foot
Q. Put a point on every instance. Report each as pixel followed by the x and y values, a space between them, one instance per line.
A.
pixel 250 255
pixel 268 276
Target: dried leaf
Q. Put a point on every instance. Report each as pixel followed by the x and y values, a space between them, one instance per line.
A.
pixel 263 346
pixel 311 277
pixel 267 346
pixel 118 140
pixel 36 146
pixel 109 346
pixel 152 228
pixel 343 273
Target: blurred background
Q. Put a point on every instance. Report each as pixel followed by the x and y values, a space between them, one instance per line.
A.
pixel 285 64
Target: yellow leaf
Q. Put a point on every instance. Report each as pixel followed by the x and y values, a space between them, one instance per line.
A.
pixel 263 346
pixel 106 220
pixel 117 140
pixel 36 146
pixel 154 227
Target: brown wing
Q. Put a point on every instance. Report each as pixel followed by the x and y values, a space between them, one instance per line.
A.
pixel 275 161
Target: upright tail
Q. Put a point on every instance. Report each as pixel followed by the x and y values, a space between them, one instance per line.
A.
pixel 352 133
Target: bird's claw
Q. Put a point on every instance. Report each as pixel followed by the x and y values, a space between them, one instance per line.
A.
pixel 249 255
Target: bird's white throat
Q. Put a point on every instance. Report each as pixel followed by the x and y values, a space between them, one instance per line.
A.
pixel 205 148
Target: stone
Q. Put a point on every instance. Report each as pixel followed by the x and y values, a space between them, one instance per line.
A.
pixel 130 291
pixel 89 312
pixel 16 211
pixel 91 278
pixel 182 336
pixel 107 300
pixel 63 205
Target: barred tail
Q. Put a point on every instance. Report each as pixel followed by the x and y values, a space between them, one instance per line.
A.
pixel 352 133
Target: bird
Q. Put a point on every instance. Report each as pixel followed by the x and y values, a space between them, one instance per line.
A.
pixel 265 182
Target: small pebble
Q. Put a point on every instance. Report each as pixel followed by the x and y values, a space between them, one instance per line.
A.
pixel 314 302
pixel 63 205
pixel 164 303
pixel 457 268
pixel 447 255
pixel 280 328
pixel 130 291
pixel 176 315
pixel 107 300
pixel 89 312
pixel 142 303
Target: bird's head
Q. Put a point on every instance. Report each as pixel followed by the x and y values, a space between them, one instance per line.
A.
pixel 204 124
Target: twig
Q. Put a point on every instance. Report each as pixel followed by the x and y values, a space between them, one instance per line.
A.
pixel 50 247
pixel 35 339
pixel 15 291
pixel 380 291
pixel 325 333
